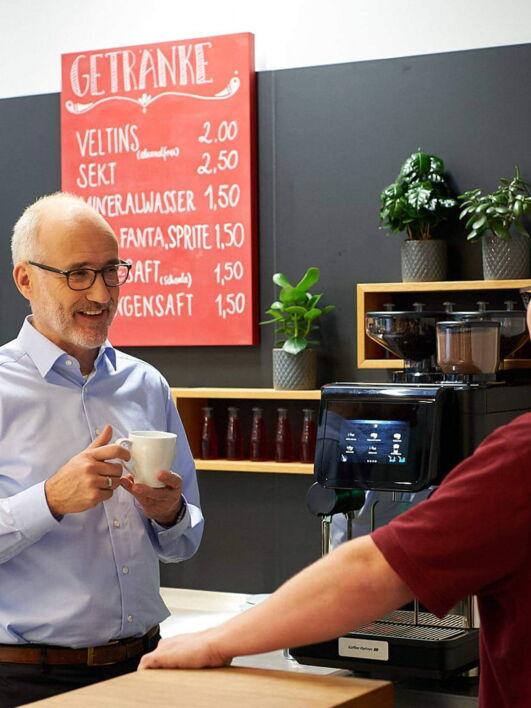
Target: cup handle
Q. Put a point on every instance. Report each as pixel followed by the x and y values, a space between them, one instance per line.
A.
pixel 125 442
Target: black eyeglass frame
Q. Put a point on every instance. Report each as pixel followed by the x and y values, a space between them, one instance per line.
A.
pixel 94 271
pixel 525 294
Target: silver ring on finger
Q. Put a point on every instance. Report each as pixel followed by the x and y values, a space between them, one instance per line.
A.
pixel 109 482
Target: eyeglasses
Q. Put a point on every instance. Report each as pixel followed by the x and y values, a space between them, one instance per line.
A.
pixel 84 278
pixel 525 294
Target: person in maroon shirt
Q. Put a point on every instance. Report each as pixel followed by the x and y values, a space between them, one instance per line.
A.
pixel 471 537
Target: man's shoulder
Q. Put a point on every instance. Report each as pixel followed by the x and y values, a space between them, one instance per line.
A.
pixel 131 363
pixel 518 431
pixel 510 441
pixel 10 353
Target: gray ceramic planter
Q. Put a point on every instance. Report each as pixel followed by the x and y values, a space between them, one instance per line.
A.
pixel 294 371
pixel 423 260
pixel 505 259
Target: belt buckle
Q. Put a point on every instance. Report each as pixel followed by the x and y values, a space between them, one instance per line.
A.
pixel 91 661
pixel 90 657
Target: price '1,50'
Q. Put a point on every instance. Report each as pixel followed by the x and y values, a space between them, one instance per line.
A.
pixel 225 272
pixel 223 196
pixel 229 235
pixel 230 304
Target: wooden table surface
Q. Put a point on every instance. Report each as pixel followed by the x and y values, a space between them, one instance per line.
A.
pixel 230 686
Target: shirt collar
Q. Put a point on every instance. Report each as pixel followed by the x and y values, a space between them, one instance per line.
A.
pixel 45 353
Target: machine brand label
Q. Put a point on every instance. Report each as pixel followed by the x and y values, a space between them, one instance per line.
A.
pixel 363 649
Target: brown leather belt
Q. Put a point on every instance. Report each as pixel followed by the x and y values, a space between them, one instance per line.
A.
pixel 111 653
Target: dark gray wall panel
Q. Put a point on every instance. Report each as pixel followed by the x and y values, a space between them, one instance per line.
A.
pixel 30 166
pixel 330 139
pixel 257 534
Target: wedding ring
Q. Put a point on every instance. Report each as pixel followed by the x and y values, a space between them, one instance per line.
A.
pixel 109 482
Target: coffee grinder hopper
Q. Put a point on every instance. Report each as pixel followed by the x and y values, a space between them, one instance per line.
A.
pixel 408 334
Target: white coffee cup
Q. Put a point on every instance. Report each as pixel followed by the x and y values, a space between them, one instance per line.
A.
pixel 151 452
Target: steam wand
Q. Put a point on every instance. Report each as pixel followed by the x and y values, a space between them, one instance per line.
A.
pixel 325 503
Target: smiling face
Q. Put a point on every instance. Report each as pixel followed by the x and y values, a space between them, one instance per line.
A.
pixel 77 321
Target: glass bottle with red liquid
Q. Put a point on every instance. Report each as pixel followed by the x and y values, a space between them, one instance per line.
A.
pixel 209 438
pixel 258 451
pixel 308 436
pixel 234 439
pixel 283 444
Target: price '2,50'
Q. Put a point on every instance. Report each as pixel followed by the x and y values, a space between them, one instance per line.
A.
pixel 226 160
pixel 230 304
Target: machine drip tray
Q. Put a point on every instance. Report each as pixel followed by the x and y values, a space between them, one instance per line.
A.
pixel 425 618
pixel 402 647
pixel 428 634
pixel 402 624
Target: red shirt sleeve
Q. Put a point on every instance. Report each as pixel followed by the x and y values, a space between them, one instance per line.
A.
pixel 471 534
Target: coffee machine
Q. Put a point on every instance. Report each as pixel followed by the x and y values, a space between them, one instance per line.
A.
pixel 405 436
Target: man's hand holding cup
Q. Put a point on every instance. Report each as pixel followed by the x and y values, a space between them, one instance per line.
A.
pixel 157 490
pixel 87 479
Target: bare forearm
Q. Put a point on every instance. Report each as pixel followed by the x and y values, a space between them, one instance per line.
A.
pixel 351 586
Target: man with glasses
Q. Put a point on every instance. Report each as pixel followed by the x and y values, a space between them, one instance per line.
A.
pixel 79 542
pixel 471 537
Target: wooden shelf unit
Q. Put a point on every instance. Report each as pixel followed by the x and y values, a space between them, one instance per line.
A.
pixel 372 296
pixel 189 402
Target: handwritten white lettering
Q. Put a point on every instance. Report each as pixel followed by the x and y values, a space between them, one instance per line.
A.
pixel 138 237
pixel 96 142
pixel 144 271
pixel 159 305
pixel 162 153
pixel 182 279
pixel 171 201
pixel 123 70
pixel 96 174
pixel 189 237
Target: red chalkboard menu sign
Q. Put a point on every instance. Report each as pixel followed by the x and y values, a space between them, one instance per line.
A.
pixel 160 139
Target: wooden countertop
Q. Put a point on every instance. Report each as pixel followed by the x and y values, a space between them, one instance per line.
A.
pixel 260 681
pixel 228 687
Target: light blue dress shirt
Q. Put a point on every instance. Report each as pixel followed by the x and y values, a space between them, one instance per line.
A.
pixel 93 576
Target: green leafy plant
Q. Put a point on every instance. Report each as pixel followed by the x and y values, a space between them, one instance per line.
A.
pixel 419 199
pixel 498 211
pixel 295 313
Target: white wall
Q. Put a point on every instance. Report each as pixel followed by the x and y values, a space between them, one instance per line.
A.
pixel 33 33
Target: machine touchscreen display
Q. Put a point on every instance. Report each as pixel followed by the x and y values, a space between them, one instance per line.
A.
pixel 382 438
pixel 383 442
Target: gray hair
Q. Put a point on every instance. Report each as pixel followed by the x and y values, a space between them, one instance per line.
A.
pixel 25 232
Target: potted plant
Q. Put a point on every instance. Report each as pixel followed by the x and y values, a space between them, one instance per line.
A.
pixel 295 315
pixel 418 201
pixel 497 218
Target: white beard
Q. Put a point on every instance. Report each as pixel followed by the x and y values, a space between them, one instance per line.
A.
pixel 56 318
